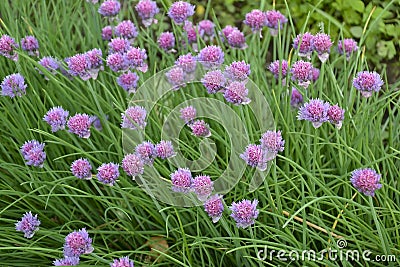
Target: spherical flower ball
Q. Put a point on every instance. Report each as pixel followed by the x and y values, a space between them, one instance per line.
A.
pixel 273 19
pixel 206 28
pixel 118 45
pixel 176 77
pixel 302 73
pixel 272 142
pixel 278 66
pixel 296 99
pixel 211 56
pixel 244 212
pixel 255 156
pixel 315 111
pixel 126 29
pixel 31 45
pixel 116 62
pixel 236 93
pixel 94 56
pixel 200 128
pixel 135 57
pixel 79 124
pixel 13 85
pixel 180 11
pixel 146 151
pixel 81 169
pixel 166 41
pixel 128 81
pixel 181 180
pixel 122 262
pixel 256 20
pixel 366 181
pixel 187 63
pixel 107 33
pixel 202 187
pixel 213 81
pixel 56 117
pixel 238 71
pixel 78 65
pixel 367 82
pixel 226 31
pixel 322 43
pixel 109 8
pixel 28 224
pixel 49 63
pixel 134 118
pixel 303 42
pixel 236 39
pixel 108 173
pixel 146 10
pixel 67 261
pixel 188 114
pixel 214 207
pixel 190 31
pixel 336 115
pixel 8 46
pixel 77 243
pixel 33 153
pixel 164 149
pixel 133 165
pixel 347 47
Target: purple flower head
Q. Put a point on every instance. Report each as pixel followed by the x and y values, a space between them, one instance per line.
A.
pixel 79 65
pixel 236 93
pixel 315 74
pixel 81 169
pixel 181 180
pixel 226 31
pixel 200 128
pixel 315 111
pixel 236 39
pixel 187 63
pixel 273 20
pixel 33 153
pixel 272 142
pixel 336 115
pixel 164 149
pixel 190 31
pixel 116 62
pixel 367 82
pixel 31 45
pixel 29 224
pixel 94 56
pixel 296 98
pixel 146 10
pixel 303 42
pixel 56 117
pixel 322 43
pixel 110 8
pixel 180 11
pixel 13 85
pixel 126 29
pixel 107 33
pixel 188 114
pixel 79 124
pixel 366 181
pixel 118 45
pixel 255 156
pixel 302 73
pixel 214 207
pixel 77 243
pixel 176 77
pixel 8 46
pixel 238 71
pixel 202 186
pixel 211 56
pixel 96 122
pixel 122 262
pixel 49 63
pixel 134 118
pixel 214 81
pixel 146 151
pixel 166 41
pixel 128 81
pixel 206 28
pixel 347 47
pixel 133 165
pixel 256 20
pixel 67 261
pixel 275 68
pixel 244 212
pixel 108 173
pixel 135 57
